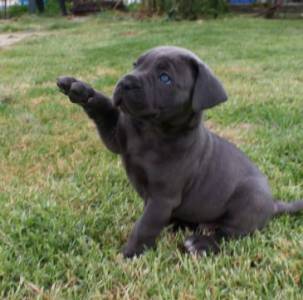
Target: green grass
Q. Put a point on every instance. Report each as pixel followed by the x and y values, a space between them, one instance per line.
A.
pixel 66 204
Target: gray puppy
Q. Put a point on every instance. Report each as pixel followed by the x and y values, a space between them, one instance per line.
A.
pixel 183 172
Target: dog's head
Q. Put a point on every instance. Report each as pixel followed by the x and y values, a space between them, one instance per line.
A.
pixel 168 84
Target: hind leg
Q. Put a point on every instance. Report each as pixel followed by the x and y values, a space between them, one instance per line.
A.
pixel 198 244
pixel 249 208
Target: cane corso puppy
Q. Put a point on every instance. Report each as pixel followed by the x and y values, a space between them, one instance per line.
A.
pixel 183 172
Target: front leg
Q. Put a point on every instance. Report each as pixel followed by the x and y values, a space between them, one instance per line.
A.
pixel 97 106
pixel 156 216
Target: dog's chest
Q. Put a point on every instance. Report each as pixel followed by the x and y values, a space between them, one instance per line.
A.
pixel 142 153
pixel 148 163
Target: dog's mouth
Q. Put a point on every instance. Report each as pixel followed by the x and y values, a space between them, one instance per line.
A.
pixel 155 115
pixel 165 119
pixel 142 115
pixel 130 105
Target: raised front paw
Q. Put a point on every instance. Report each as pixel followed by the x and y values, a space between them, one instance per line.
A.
pixel 77 91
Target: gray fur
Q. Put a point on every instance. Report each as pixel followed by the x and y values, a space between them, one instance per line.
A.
pixel 183 172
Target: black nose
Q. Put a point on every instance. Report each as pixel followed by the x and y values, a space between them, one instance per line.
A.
pixel 129 82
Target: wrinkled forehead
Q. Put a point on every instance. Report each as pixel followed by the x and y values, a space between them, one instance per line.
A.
pixel 164 58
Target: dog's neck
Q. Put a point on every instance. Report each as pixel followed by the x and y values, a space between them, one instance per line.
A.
pixel 191 125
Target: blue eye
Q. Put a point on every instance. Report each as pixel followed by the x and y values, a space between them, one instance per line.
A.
pixel 165 79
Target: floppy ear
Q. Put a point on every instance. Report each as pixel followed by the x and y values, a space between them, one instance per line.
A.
pixel 208 90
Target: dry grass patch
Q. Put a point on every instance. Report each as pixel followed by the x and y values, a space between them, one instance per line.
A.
pixel 237 133
pixel 37 101
pixel 130 33
pixel 9 39
pixel 106 71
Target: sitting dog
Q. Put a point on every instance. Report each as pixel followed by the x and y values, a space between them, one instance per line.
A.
pixel 183 172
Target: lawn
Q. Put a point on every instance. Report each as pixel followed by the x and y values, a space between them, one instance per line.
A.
pixel 66 204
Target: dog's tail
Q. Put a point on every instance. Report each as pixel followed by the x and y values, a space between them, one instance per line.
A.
pixel 288 208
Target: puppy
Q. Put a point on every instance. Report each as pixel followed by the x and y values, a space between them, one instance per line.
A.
pixel 183 172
